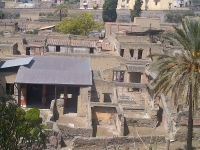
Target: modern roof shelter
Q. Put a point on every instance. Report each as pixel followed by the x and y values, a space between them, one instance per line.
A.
pixel 41 79
pixel 56 70
pixel 15 62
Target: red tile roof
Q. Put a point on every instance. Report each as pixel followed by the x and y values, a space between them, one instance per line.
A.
pixel 80 43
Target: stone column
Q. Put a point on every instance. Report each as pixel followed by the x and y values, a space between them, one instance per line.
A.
pixel 23 94
pixel 43 95
pixel 65 96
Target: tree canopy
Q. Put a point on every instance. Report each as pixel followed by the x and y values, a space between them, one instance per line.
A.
pixel 109 13
pixel 80 25
pixel 19 129
pixel 62 10
pixel 136 12
pixel 180 74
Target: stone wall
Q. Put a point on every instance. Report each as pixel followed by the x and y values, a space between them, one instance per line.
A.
pixel 83 100
pixel 71 132
pixel 102 89
pixel 8 26
pixel 54 138
pixel 108 73
pixel 7 77
pixel 103 115
pixel 101 61
pixel 100 143
pixel 17 39
pixel 141 122
pixel 69 49
pixel 8 49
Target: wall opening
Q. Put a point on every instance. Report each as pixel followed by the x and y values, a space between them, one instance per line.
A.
pixel 57 48
pixel 107 97
pixel 27 50
pixel 34 94
pixel 10 88
pixel 136 89
pixel 135 77
pixel 72 100
pixel 91 50
pixel 122 53
pixel 118 76
pixel 140 53
pixel 132 52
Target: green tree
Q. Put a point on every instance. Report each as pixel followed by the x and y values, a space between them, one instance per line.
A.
pixel 81 25
pixel 62 10
pixel 136 12
pixel 180 74
pixel 109 13
pixel 19 129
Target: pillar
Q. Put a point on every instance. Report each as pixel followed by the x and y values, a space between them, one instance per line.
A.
pixel 128 80
pixel 65 96
pixel 19 94
pixel 23 94
pixel 43 95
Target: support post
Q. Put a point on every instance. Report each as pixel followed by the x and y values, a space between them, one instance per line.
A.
pixel 65 96
pixel 23 95
pixel 19 94
pixel 43 95
pixel 55 93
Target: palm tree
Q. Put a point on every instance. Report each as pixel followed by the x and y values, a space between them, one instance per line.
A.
pixel 62 9
pixel 180 74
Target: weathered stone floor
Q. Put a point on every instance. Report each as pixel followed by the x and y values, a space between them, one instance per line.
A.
pixel 72 120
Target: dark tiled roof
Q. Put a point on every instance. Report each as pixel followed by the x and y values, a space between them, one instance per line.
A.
pixel 56 70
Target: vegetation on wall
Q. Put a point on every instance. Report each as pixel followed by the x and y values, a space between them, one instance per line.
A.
pixel 177 17
pixel 8 15
pixel 34 31
pixel 109 13
pixel 196 1
pixel 136 12
pixel 80 25
pixel 19 129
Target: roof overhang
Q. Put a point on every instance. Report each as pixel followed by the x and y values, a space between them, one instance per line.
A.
pixel 15 62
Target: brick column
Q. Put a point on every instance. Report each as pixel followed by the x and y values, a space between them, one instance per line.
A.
pixel 44 95
pixel 23 95
pixel 65 96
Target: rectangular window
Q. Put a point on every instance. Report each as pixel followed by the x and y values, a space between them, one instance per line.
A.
pixel 122 53
pixel 132 52
pixel 118 76
pixel 91 50
pixel 140 54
